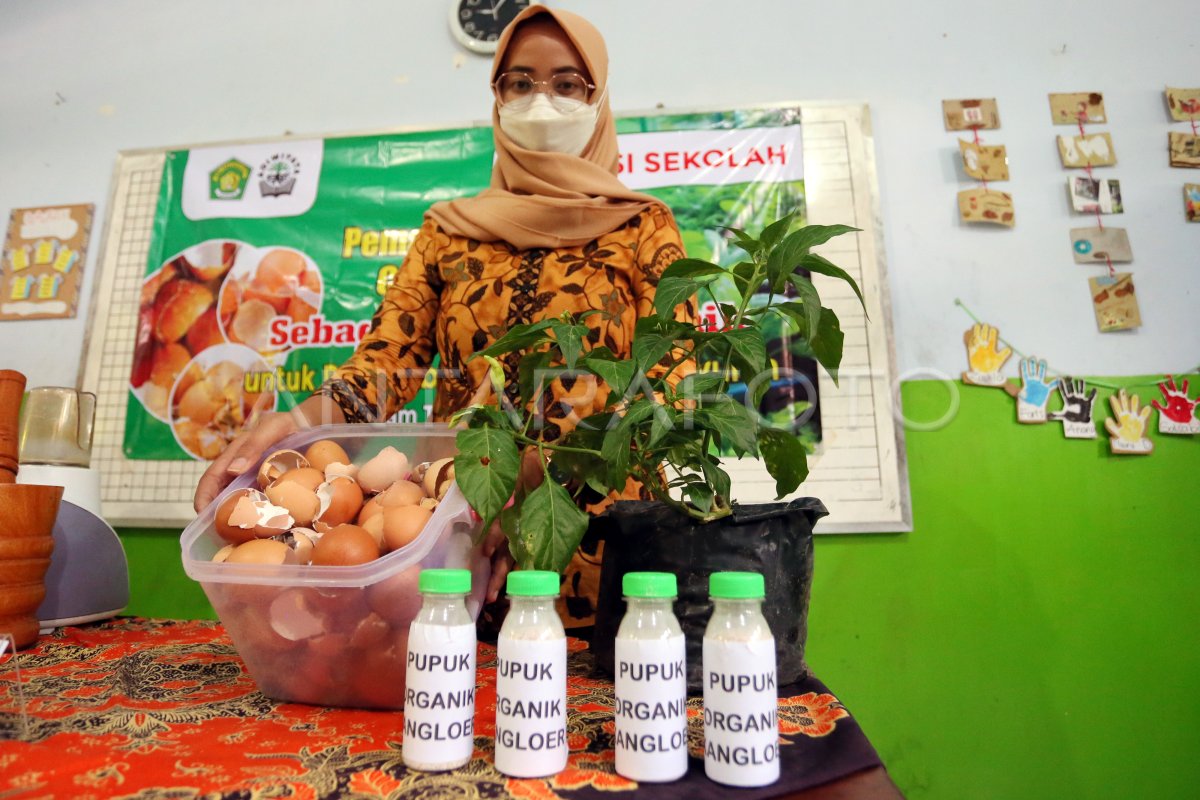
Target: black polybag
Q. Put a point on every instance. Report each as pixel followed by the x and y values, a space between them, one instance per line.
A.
pixel 774 539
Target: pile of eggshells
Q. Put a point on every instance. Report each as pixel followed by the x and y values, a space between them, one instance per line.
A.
pixel 319 508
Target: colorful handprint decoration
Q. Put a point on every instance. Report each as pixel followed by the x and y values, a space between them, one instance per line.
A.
pixel 1076 411
pixel 983 359
pixel 1127 425
pixel 1035 391
pixel 1179 414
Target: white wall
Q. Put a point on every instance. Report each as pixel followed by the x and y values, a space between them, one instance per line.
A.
pixel 82 80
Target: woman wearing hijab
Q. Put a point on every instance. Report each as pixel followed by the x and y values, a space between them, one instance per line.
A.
pixel 556 232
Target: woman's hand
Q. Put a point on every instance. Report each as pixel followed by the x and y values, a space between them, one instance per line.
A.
pixel 249 445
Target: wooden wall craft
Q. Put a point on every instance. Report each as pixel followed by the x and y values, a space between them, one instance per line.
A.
pixel 1178 416
pixel 984 360
pixel 980 161
pixel 1035 391
pixel 1077 409
pixel 1127 426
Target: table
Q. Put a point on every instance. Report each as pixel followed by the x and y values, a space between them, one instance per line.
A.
pixel 165 708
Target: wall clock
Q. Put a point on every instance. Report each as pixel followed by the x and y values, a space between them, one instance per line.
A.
pixel 477 24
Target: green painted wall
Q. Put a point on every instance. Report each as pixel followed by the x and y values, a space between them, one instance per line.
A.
pixel 1034 636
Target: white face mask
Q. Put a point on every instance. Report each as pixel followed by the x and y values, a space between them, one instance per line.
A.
pixel 542 126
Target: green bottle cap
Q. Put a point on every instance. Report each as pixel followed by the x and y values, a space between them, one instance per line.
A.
pixel 533 583
pixel 736 585
pixel 445 581
pixel 649 584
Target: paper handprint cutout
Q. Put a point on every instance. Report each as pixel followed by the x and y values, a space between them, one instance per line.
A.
pixel 1179 414
pixel 1127 425
pixel 1076 411
pixel 1035 391
pixel 983 359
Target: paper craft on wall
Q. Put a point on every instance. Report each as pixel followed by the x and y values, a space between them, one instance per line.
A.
pixel 984 361
pixel 1035 391
pixel 1095 195
pixel 1076 411
pixel 972 114
pixel 985 205
pixel 1178 416
pixel 42 262
pixel 1127 426
pixel 1184 104
pixel 1185 150
pixel 984 162
pixel 1075 107
pixel 1191 201
pixel 1087 150
pixel 1101 245
pixel 1115 302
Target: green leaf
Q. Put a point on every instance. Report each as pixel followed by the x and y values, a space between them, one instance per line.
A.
pixel 662 425
pixel 486 469
pixel 510 523
pixel 775 231
pixel 534 375
pixel 797 313
pixel 809 298
pixel 671 292
pixel 616 374
pixel 784 259
pixel 653 338
pixel 732 423
pixel 693 268
pixel 552 527
pixel 716 477
pixel 748 351
pixel 700 494
pixel 827 343
pixel 744 240
pixel 819 264
pixel 693 386
pixel 569 338
pixel 518 337
pixel 743 276
pixel 785 459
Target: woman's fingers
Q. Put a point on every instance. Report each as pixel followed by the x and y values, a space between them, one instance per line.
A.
pixel 241 453
pixel 502 564
pixel 217 476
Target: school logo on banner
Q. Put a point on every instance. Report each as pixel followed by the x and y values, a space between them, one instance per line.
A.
pixel 219 181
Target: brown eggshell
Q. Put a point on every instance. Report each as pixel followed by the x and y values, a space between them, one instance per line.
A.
pixel 387 467
pixel 369 509
pixel 372 633
pixel 280 270
pixel 232 531
pixel 255 292
pixel 221 555
pixel 307 477
pixel 343 607
pixel 294 616
pixel 279 464
pixel 341 499
pixel 169 360
pixel 438 477
pixel 178 306
pixel 299 310
pixel 262 551
pixel 402 524
pixel 256 633
pixel 251 323
pixel 402 493
pixel 374 526
pixel 322 453
pixel 201 402
pixel 205 333
pixel 330 646
pixel 301 503
pixel 396 598
pixel 345 545
pixel 379 678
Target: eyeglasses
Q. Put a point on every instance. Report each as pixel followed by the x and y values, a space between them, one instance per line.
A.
pixel 518 88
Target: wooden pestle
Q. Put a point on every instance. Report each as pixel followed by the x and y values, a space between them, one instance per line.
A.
pixel 12 391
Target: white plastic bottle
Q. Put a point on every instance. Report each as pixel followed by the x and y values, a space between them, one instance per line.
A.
pixel 651 682
pixel 439 694
pixel 741 717
pixel 531 679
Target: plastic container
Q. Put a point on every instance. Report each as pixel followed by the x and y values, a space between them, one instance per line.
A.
pixel 337 636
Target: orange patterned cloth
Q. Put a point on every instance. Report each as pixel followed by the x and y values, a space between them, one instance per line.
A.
pixel 165 709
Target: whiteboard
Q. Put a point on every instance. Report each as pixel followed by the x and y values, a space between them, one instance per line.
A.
pixel 859 470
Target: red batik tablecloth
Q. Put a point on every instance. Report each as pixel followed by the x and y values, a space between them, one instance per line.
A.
pixel 161 708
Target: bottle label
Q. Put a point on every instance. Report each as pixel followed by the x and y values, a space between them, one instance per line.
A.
pixel 531 707
pixel 439 696
pixel 741 712
pixel 651 709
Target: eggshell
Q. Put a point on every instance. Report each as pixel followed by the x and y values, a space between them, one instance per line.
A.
pixel 387 467
pixel 372 633
pixel 294 617
pixel 437 478
pixel 396 598
pixel 201 402
pixel 280 270
pixel 262 551
pixel 256 631
pixel 303 542
pixel 322 453
pixel 345 545
pixel 369 509
pixel 169 361
pixel 279 464
pixel 334 470
pixel 402 524
pixel 307 477
pixel 241 529
pixel 251 324
pixel 374 526
pixel 343 607
pixel 341 499
pixel 402 493
pixel 379 679
pixel 223 553
pixel 301 503
pixel 177 306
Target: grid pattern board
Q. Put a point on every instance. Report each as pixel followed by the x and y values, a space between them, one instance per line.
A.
pixel 859 470
pixel 139 493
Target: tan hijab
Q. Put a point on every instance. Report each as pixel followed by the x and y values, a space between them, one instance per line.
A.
pixel 550 199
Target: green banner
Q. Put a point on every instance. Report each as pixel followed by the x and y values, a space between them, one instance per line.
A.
pixel 267 260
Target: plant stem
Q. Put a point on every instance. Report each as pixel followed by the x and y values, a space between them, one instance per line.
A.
pixel 520 437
